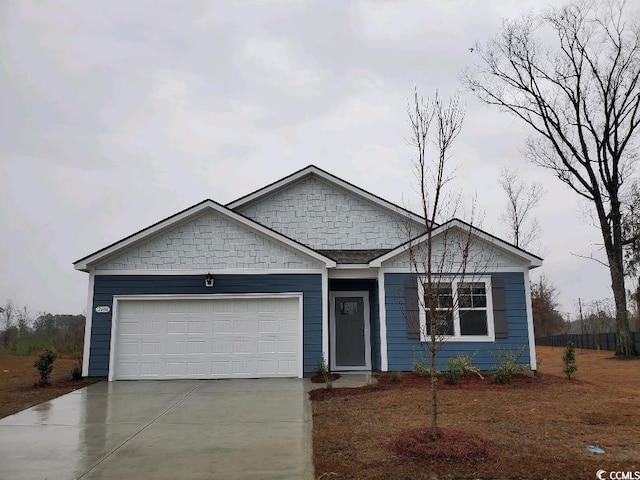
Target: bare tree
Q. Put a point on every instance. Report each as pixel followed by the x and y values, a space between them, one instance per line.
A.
pixel 437 296
pixel 24 319
pixel 8 312
pixel 522 198
pixel 581 98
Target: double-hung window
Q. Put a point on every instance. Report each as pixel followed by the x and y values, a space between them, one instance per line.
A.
pixel 463 309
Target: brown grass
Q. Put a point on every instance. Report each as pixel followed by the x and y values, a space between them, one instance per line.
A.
pixel 18 376
pixel 535 428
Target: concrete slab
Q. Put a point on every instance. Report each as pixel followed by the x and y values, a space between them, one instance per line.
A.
pixel 164 429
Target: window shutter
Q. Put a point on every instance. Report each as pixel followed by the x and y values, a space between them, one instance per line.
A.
pixel 411 309
pixel 499 308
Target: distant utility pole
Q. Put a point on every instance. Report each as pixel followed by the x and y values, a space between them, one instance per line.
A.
pixel 581 317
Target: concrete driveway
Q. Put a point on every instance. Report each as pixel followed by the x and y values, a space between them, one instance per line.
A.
pixel 224 429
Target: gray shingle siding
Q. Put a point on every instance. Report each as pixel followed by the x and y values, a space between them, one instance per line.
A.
pixel 106 286
pixel 209 241
pixel 324 216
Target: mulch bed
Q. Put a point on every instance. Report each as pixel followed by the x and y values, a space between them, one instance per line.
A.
pixel 412 380
pixel 450 446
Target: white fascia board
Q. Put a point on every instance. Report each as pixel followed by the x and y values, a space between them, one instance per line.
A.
pixel 531 260
pixel 84 264
pixel 353 273
pixel 87 328
pixel 213 271
pixel 331 179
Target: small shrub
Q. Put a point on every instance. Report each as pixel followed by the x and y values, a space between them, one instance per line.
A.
pixel 569 360
pixel 76 371
pixel 465 364
pixel 507 365
pixel 451 375
pixel 44 365
pixel 419 365
pixel 323 370
pixel 372 382
pixel 395 377
pixel 460 366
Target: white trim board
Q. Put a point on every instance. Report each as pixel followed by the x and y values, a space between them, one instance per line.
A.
pixel 86 354
pixel 360 273
pixel 238 271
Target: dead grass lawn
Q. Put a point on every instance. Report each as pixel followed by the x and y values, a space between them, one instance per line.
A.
pixel 539 428
pixel 17 379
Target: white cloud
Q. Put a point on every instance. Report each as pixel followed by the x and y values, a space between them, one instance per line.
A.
pixel 280 62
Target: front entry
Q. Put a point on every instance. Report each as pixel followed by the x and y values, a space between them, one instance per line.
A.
pixel 350 331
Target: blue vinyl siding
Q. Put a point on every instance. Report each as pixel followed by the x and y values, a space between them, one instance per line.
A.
pixel 371 286
pixel 401 350
pixel 106 286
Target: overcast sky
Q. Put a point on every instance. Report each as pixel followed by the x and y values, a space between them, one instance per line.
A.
pixel 115 115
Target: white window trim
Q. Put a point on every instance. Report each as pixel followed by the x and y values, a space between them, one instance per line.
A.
pixel 490 337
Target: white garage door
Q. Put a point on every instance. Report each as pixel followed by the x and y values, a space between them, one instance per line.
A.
pixel 241 337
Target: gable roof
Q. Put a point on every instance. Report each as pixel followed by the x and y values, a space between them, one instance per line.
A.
pixel 532 260
pixel 313 170
pixel 84 263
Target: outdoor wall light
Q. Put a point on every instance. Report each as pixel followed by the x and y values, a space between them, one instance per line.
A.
pixel 208 280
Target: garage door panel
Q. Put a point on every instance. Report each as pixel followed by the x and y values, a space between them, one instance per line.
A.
pixel 129 348
pixel 176 347
pixel 196 348
pixel 267 325
pixel 242 347
pixel 153 327
pixel 242 368
pixel 129 327
pixel 209 338
pixel 150 348
pixel 267 346
pixel 221 347
pixel 134 308
pixel 149 369
pixel 175 369
pixel 242 326
pixel 267 367
pixel 289 346
pixel 222 326
pixel 196 326
pixel 177 327
pixel 221 368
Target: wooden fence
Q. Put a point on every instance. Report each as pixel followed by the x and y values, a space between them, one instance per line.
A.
pixel 592 341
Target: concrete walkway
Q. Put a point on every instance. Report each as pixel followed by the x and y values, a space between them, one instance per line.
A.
pixel 227 429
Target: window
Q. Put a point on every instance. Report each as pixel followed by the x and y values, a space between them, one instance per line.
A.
pixel 464 310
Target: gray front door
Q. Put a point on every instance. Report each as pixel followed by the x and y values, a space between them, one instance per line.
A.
pixel 350 322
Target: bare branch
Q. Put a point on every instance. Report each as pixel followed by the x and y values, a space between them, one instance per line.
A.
pixel 581 100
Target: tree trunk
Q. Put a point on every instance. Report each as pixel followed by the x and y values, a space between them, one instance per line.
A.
pixel 612 235
pixel 434 392
pixel 624 340
pixel 625 346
